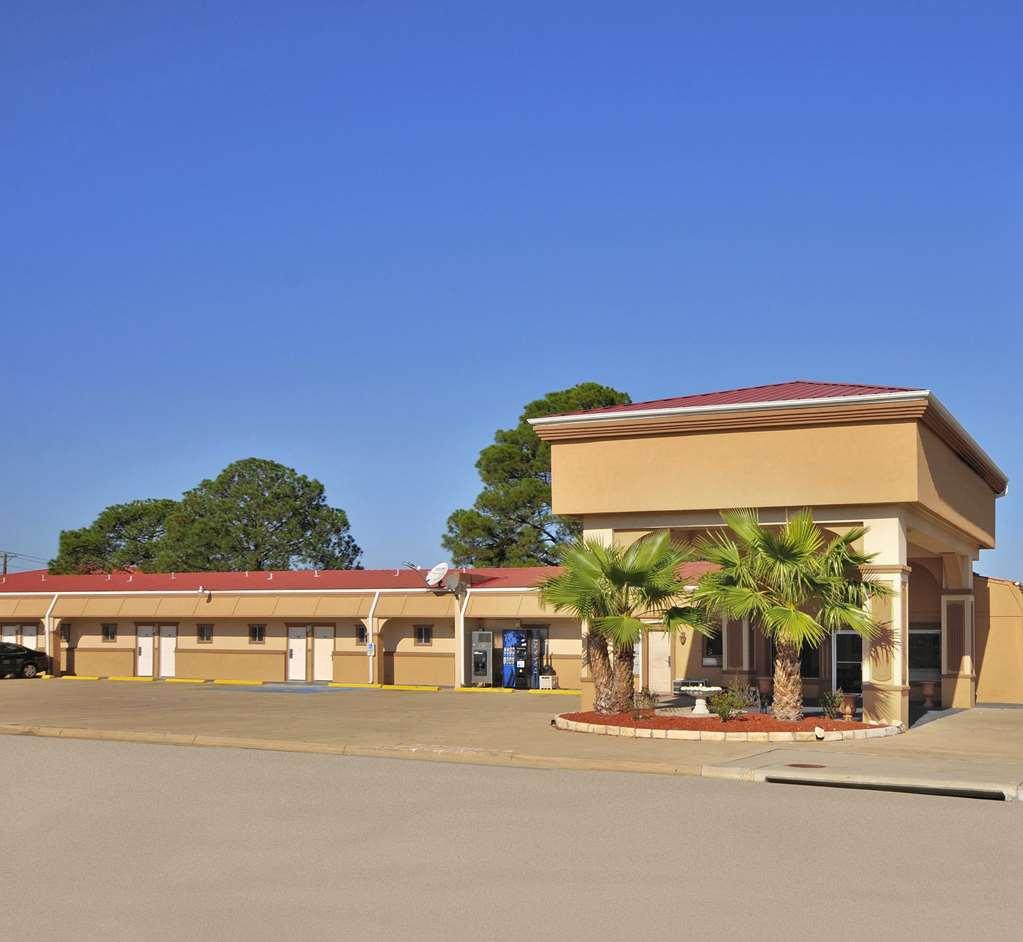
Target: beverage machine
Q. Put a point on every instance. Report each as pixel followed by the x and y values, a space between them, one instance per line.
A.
pixel 523 651
pixel 482 658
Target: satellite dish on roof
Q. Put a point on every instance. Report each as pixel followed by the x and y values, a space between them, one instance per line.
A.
pixel 436 575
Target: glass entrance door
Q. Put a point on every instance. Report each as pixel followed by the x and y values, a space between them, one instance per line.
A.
pixel 848 662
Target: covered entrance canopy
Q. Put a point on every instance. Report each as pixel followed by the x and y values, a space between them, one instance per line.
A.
pixel 892 459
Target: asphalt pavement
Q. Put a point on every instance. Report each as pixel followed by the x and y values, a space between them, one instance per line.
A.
pixel 106 840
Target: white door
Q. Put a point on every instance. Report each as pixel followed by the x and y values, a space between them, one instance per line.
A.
pixel 660 661
pixel 168 645
pixel 9 633
pixel 296 653
pixel 28 636
pixel 144 651
pixel 323 652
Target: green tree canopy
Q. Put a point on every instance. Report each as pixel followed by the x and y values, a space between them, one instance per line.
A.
pixel 256 514
pixel 123 536
pixel 511 523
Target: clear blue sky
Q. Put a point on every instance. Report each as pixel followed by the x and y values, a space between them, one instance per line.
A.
pixel 357 237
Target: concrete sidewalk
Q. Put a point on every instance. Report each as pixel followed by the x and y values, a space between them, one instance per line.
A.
pixel 981 749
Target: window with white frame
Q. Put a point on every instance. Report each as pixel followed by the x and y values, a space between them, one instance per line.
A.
pixel 361 634
pixel 424 634
pixel 712 648
pixel 257 634
pixel 204 633
pixel 109 631
pixel 924 652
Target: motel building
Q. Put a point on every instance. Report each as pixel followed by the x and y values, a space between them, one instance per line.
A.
pixel 891 459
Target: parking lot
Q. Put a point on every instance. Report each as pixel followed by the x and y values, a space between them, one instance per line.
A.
pixel 489 728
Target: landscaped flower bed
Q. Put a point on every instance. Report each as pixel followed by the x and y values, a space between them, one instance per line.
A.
pixel 745 723
pixel 752 727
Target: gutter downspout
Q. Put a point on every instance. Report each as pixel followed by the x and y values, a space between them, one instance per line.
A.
pixel 371 637
pixel 47 629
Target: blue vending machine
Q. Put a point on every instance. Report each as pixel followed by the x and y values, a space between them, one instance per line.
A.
pixel 513 643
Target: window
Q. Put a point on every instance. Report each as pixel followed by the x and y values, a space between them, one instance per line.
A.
pixel 361 635
pixel 65 632
pixel 257 634
pixel 810 661
pixel 424 634
pixel 204 634
pixel 924 652
pixel 712 648
pixel 109 632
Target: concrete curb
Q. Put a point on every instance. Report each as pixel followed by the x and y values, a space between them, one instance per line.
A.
pixel 457 755
pixel 889 780
pixel 709 735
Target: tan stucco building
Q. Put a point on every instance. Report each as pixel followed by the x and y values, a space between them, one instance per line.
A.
pixel 359 626
pixel 891 459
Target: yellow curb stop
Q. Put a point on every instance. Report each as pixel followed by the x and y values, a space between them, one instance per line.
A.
pixel 563 692
pixel 484 690
pixel 134 680
pixel 78 677
pixel 354 686
pixel 183 680
pixel 423 688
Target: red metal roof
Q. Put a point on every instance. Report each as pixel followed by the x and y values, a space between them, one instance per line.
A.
pixel 40 580
pixel 774 392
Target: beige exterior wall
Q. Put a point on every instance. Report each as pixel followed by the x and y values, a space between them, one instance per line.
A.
pixel 405 662
pixel 94 656
pixel 951 489
pixel 211 664
pixel 794 467
pixel 999 627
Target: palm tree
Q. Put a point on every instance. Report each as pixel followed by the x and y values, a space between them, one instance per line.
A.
pixel 614 590
pixel 792 582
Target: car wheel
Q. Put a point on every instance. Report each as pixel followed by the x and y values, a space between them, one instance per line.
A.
pixel 29 671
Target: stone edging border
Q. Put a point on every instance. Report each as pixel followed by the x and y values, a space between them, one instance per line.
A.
pixel 709 735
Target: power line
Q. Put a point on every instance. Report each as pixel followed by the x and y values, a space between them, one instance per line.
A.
pixel 7 556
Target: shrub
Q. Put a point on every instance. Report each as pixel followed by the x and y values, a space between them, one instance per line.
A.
pixel 726 704
pixel 830 703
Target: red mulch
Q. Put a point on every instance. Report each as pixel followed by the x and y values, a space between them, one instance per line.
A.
pixel 746 723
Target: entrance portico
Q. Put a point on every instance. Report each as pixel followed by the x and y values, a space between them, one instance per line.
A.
pixel 890 459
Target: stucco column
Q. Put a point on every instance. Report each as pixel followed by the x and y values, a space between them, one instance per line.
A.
pixel 461 649
pixel 958 667
pixel 885 661
pixel 374 631
pixel 51 629
pixel 606 536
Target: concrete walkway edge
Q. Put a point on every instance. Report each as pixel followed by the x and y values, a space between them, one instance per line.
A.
pixel 422 753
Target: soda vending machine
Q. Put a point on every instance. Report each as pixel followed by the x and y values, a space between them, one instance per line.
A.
pixel 514 660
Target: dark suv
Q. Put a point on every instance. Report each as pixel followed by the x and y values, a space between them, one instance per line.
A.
pixel 19 661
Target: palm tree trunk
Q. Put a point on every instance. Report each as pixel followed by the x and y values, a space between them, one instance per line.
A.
pixel 599 663
pixel 788 683
pixel 622 678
